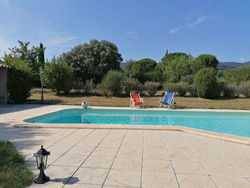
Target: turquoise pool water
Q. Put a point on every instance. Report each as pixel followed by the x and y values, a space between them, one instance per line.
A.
pixel 223 122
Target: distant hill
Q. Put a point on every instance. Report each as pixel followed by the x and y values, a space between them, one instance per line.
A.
pixel 230 65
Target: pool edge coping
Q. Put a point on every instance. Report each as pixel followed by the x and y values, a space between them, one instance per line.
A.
pixel 210 134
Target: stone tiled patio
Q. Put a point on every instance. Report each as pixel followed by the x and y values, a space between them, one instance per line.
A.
pixel 94 158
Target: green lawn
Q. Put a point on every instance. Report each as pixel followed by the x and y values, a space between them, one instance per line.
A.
pixel 13 172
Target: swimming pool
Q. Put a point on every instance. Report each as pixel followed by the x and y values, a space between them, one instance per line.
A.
pixel 235 123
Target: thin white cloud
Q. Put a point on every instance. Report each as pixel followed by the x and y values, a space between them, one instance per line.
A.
pixel 198 21
pixel 133 34
pixel 242 59
pixel 176 29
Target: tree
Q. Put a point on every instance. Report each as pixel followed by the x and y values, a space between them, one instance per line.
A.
pixel 58 76
pixel 176 69
pixel 93 60
pixel 24 53
pixel 206 83
pixel 142 67
pixel 19 79
pixel 172 56
pixel 237 75
pixel 34 56
pixel 205 61
pixel 40 55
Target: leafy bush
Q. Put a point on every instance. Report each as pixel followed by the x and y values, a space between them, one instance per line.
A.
pixel 19 80
pixel 244 89
pixel 206 83
pixel 188 79
pixel 132 85
pixel 89 86
pixel 154 76
pixel 181 88
pixel 112 83
pixel 151 87
pixel 58 76
pixel 192 91
pixel 228 90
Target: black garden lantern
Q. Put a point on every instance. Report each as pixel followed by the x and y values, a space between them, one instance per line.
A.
pixel 41 162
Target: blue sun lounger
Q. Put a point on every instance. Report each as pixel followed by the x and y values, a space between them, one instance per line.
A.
pixel 167 99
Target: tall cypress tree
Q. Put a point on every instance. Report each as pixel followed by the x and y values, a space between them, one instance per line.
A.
pixel 40 55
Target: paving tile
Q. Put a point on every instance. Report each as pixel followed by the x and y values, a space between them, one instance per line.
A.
pixel 181 154
pixel 104 152
pixel 244 170
pixel 195 181
pixel 155 154
pixel 127 164
pixel 90 176
pixel 70 160
pixel 110 186
pixel 158 179
pixel 81 150
pixel 156 165
pixel 219 168
pixel 80 185
pixel 126 178
pixel 231 182
pixel 188 167
pixel 98 162
pixel 47 185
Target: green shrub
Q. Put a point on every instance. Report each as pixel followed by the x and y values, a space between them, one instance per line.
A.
pixel 228 90
pixel 13 172
pixel 180 88
pixel 131 85
pixel 192 91
pixel 112 83
pixel 19 80
pixel 58 76
pixel 151 87
pixel 89 87
pixel 206 83
pixel 244 89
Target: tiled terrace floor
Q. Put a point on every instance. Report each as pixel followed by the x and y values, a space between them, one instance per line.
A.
pixel 94 158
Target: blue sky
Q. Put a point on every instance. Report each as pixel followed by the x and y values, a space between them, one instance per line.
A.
pixel 139 28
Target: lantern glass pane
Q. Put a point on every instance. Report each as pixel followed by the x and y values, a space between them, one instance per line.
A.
pixel 37 162
pixel 45 161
